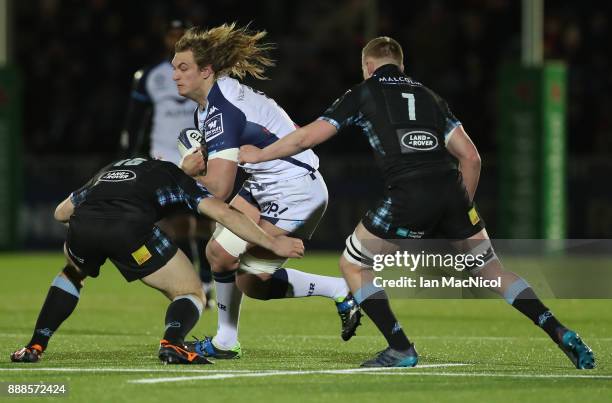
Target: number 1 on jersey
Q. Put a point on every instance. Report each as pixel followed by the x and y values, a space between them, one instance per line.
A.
pixel 411 110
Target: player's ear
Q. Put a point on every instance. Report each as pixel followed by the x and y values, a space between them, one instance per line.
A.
pixel 368 68
pixel 207 71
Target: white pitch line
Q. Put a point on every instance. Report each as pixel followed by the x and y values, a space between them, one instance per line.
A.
pixel 187 370
pixel 483 374
pixel 366 371
pixel 258 374
pixel 234 373
pixel 128 370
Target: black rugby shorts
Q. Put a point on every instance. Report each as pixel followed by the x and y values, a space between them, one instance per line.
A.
pixel 137 249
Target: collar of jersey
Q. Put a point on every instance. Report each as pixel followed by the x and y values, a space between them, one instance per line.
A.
pixel 387 68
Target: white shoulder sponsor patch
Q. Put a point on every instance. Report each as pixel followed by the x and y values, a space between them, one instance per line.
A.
pixel 118 175
pixel 213 127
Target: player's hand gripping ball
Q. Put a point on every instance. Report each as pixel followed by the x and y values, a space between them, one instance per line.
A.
pixel 190 141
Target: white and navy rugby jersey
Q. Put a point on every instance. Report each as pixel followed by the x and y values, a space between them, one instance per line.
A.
pixel 171 111
pixel 236 115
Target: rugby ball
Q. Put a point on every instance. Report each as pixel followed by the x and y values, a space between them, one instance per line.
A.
pixel 188 141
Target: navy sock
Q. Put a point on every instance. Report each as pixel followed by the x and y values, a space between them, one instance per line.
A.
pixel 61 300
pixel 530 305
pixel 181 317
pixel 377 307
pixel 278 285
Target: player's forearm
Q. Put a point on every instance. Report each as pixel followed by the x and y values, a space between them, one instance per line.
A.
pixel 293 143
pixel 246 229
pixel 470 170
pixel 218 187
pixel 237 222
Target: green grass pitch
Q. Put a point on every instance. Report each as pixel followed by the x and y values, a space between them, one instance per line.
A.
pixel 470 350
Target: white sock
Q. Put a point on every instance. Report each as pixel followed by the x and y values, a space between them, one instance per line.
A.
pixel 229 298
pixel 307 284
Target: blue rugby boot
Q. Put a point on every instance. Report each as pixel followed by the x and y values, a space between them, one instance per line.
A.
pixel 579 353
pixel 393 358
pixel 207 348
pixel 350 316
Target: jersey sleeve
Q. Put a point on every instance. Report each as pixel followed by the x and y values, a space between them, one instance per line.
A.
pixel 191 191
pixel 78 196
pixel 343 111
pixel 223 131
pixel 451 122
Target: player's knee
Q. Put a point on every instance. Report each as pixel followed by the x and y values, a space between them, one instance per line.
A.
pixel 265 286
pixel 74 275
pixel 355 255
pixel 263 278
pixel 224 248
pixel 258 266
pixel 198 292
pixel 70 279
pixel 219 258
pixel 484 255
pixel 183 288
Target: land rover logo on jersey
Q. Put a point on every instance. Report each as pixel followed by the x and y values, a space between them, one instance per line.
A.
pixel 213 127
pixel 118 175
pixel 419 140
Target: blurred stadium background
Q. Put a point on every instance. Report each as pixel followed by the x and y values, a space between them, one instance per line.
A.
pixel 66 68
pixel 530 80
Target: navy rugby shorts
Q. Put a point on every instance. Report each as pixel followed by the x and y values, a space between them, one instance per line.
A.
pixel 136 248
pixel 432 205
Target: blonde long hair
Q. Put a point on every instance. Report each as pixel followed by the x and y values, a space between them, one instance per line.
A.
pixel 229 50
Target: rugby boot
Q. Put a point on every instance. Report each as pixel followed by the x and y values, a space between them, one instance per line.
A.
pixel 393 358
pixel 207 348
pixel 350 316
pixel 579 353
pixel 31 353
pixel 173 354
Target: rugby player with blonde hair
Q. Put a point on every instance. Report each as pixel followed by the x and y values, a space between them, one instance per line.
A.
pixel 284 196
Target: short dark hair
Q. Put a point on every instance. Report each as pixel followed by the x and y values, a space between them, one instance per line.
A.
pixel 384 47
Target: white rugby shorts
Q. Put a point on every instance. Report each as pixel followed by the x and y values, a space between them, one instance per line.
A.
pixel 294 205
